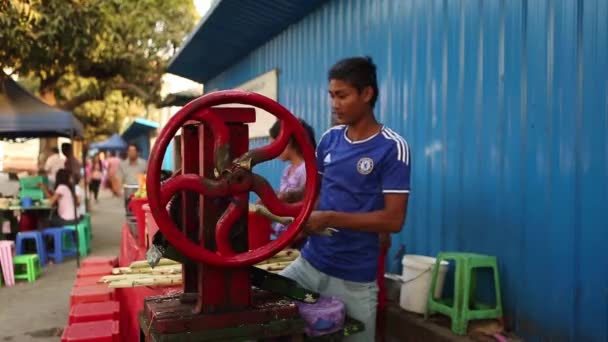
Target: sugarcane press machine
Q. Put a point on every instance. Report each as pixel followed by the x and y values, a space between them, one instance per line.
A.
pixel 225 298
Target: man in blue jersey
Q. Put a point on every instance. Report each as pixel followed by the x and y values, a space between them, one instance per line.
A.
pixel 365 183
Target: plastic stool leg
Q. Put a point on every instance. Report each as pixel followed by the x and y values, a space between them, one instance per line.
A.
pixel 41 249
pixel 83 243
pixel 38 270
pixel 497 289
pixel 30 269
pixel 6 262
pixel 58 248
pixel 19 244
pixel 68 235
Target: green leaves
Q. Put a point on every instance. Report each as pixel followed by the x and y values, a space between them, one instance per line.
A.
pixel 94 56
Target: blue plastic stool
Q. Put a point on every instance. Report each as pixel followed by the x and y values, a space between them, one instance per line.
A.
pixel 40 248
pixel 59 250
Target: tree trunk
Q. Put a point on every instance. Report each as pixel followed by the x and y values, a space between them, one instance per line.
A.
pixel 47 93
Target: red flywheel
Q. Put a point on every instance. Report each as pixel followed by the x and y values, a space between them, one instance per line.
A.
pixel 234 180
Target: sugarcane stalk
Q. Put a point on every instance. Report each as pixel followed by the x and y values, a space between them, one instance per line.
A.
pixel 274 266
pixel 167 271
pixel 148 281
pixel 275 260
pixel 161 269
pixel 287 252
pixel 262 210
pixel 144 263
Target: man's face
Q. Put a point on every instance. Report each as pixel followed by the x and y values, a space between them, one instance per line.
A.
pixel 132 153
pixel 348 104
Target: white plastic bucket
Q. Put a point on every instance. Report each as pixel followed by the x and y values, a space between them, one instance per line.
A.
pixel 416 281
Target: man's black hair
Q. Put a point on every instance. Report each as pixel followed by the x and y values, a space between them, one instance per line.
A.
pixel 310 132
pixel 66 148
pixel 360 72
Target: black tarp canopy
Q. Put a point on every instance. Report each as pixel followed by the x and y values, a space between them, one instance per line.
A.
pixel 23 115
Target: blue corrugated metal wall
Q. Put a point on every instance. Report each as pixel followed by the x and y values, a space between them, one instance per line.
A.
pixel 504 104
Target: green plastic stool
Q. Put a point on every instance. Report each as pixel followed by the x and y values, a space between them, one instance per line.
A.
pixel 83 238
pixel 31 263
pixel 463 307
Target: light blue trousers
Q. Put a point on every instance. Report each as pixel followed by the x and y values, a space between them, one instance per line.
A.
pixel 360 299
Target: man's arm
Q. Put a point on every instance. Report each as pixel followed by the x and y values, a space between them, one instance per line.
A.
pixel 388 220
pixel 120 172
pixel 47 165
pixel 45 189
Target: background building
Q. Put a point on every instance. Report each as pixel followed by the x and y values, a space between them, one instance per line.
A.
pixel 504 105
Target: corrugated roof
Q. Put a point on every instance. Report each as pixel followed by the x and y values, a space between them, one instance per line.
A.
pixel 139 126
pixel 231 30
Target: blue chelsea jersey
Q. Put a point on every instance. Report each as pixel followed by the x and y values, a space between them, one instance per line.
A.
pixel 355 177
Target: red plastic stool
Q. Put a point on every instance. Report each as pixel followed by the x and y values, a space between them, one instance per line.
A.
pixel 92 271
pixel 100 331
pixel 86 281
pixel 91 312
pixel 100 261
pixel 91 294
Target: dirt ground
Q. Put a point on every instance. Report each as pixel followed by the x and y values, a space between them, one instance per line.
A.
pixel 37 312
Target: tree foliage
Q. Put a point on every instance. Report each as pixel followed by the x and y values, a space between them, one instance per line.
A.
pixel 101 59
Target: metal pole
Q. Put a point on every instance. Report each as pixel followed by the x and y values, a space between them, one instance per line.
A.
pixel 75 209
pixel 83 156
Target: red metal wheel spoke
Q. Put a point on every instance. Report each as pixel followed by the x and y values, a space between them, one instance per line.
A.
pixel 231 185
pixel 270 151
pixel 221 137
pixel 233 213
pixel 192 182
pixel 266 193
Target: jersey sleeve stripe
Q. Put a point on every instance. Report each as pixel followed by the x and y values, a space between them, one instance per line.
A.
pixel 331 129
pixel 400 145
pixel 406 146
pixel 397 143
pixel 400 140
pixel 396 191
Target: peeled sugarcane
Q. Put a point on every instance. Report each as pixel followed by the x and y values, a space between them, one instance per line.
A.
pixel 262 210
pixel 144 263
pixel 275 260
pixel 139 273
pixel 133 276
pixel 288 253
pixel 170 269
pixel 163 280
pixel 277 266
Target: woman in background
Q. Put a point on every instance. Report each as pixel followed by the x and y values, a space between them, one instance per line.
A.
pixel 96 176
pixel 293 179
pixel 64 197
